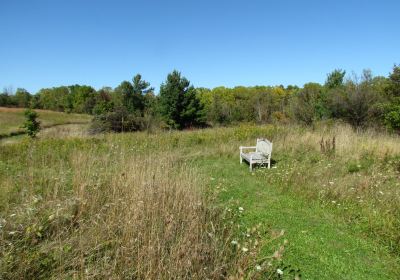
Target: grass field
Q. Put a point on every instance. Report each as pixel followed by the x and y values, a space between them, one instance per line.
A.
pixel 179 205
pixel 11 119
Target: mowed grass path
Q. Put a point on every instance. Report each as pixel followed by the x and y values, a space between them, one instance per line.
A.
pixel 320 244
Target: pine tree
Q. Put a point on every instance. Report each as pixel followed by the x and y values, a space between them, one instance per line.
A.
pixel 31 124
pixel 179 104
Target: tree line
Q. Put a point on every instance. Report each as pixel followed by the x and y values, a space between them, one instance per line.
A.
pixel 360 100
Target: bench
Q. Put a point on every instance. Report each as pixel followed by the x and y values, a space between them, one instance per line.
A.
pixel 261 155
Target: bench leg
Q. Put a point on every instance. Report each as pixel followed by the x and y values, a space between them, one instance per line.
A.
pixel 241 160
pixel 251 166
pixel 269 163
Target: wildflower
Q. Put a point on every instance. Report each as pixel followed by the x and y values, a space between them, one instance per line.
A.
pixel 234 242
pixel 12 232
pixel 279 271
pixel 244 249
pixel 258 267
pixel 333 201
pixel 241 209
pixel 12 215
pixel 331 183
pixel 212 179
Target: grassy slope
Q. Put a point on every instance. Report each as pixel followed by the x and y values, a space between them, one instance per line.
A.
pixel 11 119
pixel 320 243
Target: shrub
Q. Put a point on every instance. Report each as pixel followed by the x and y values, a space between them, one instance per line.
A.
pixel 117 121
pixel 31 124
pixel 355 102
pixel 392 118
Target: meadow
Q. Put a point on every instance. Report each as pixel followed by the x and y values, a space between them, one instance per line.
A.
pixel 11 120
pixel 178 205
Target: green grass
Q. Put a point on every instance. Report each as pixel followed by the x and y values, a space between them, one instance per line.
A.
pixel 339 212
pixel 320 243
pixel 11 119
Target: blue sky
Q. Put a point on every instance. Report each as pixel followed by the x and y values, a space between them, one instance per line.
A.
pixel 47 43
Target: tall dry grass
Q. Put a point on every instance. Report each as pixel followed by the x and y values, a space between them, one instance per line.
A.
pixel 349 143
pixel 133 205
pixel 155 215
pixel 93 212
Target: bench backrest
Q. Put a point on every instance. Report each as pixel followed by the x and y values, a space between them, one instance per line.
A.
pixel 264 146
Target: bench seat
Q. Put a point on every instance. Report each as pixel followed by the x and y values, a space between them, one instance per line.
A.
pixel 254 156
pixel 261 155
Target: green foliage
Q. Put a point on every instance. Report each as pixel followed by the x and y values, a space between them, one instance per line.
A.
pixel 5 99
pixel 393 87
pixel 22 98
pixel 103 102
pixel 355 100
pixel 31 124
pixel 119 120
pixel 179 104
pixel 335 79
pixel 392 118
pixel 308 103
pixel 244 104
pixel 361 101
pixel 81 99
pixel 133 94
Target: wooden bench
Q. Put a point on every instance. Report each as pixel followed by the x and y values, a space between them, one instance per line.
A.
pixel 261 155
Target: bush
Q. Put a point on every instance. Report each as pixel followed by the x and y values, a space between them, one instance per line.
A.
pixel 355 102
pixel 392 118
pixel 117 121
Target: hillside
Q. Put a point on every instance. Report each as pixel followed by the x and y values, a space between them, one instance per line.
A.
pixel 11 120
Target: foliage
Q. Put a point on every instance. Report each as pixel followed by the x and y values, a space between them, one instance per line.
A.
pixel 392 118
pixel 335 79
pixel 31 124
pixel 22 98
pixel 119 120
pixel 361 101
pixel 307 103
pixel 393 88
pixel 179 104
pixel 355 101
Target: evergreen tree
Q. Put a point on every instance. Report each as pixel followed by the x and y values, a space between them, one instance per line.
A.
pixel 31 124
pixel 133 94
pixel 335 79
pixel 179 104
